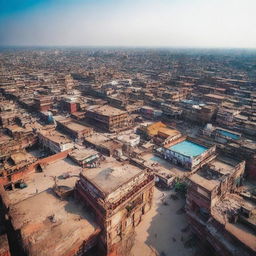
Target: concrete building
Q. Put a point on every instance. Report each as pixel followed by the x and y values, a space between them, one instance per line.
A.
pixel 73 128
pixel 85 157
pixel 43 218
pixel 69 104
pixel 105 145
pixel 109 118
pixel 54 141
pixel 44 226
pixel 188 153
pixel 223 220
pixel 43 103
pixel 118 195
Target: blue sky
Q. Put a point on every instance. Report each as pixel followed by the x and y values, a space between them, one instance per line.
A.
pixel 171 23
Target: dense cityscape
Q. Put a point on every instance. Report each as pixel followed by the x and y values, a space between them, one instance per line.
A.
pixel 127 151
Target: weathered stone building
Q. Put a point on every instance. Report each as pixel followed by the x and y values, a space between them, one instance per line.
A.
pixel 118 195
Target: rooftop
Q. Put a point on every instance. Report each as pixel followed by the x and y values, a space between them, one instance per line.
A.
pixel 113 175
pixel 210 175
pixel 19 157
pixel 163 167
pixel 208 184
pixel 76 126
pixel 188 148
pixel 81 154
pixel 39 181
pixel 230 205
pixel 153 129
pixel 107 110
pixel 228 133
pixel 168 131
pixel 72 124
pixel 55 136
pixel 71 224
pixel 101 140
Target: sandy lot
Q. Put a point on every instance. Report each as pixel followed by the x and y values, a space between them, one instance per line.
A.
pixel 161 228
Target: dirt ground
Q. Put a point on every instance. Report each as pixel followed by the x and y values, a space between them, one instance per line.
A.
pixel 164 228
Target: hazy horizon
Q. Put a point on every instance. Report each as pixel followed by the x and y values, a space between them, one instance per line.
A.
pixel 195 24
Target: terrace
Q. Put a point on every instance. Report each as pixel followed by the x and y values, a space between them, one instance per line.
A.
pixel 45 222
pixel 63 172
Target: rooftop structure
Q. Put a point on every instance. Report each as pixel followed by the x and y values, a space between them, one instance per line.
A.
pixel 54 141
pixel 111 177
pixel 43 226
pixel 104 144
pixel 85 157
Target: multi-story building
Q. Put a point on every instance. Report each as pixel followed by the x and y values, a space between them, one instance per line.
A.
pixel 73 128
pixel 43 103
pixel 118 195
pixel 188 153
pixel 69 104
pixel 222 219
pixel 200 114
pixel 54 141
pixel 226 116
pixel 109 118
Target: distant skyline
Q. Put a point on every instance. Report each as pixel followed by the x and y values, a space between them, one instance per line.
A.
pixel 129 23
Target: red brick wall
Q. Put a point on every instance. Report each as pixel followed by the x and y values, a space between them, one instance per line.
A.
pixel 31 168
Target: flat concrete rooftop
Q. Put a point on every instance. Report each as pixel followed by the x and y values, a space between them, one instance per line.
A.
pixel 71 123
pixel 97 138
pixel 56 136
pixel 107 110
pixel 64 233
pixel 210 175
pixel 40 181
pixel 81 154
pixel 101 140
pixel 76 126
pixel 208 184
pixel 233 203
pixel 163 167
pixel 111 175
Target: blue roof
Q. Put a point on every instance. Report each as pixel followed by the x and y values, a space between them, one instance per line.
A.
pixel 188 148
pixel 231 135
